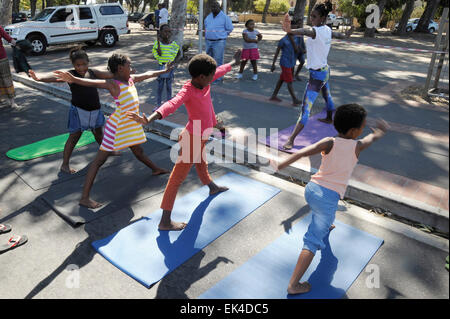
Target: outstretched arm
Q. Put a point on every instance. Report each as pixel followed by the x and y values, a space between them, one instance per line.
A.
pixel 144 120
pixel 236 58
pixel 377 133
pixel 43 78
pixel 101 74
pixel 152 74
pixel 107 84
pixel 340 35
pixel 309 32
pixel 324 145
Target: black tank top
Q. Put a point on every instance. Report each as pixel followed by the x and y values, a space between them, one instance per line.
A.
pixel 84 97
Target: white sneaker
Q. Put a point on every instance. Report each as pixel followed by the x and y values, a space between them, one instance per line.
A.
pixel 255 77
pixel 239 76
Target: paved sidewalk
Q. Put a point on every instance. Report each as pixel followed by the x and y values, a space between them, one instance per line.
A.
pixel 411 262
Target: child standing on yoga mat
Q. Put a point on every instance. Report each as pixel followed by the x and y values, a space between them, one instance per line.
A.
pixel 339 157
pixel 120 132
pixel 318 46
pixel 196 96
pixel 84 113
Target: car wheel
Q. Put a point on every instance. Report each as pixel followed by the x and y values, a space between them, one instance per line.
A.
pixel 431 30
pixel 38 43
pixel 108 38
pixel 408 29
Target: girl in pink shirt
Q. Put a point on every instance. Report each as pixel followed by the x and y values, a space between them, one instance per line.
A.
pixel 339 157
pixel 196 96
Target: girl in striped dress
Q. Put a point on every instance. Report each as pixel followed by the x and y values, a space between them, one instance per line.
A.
pixel 120 132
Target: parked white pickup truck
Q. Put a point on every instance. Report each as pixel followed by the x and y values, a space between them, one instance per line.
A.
pixel 70 24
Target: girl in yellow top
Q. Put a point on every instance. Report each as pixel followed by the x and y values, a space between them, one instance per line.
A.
pixel 120 132
pixel 165 52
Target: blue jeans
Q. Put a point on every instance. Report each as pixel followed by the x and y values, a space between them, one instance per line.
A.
pixel 167 81
pixel 323 203
pixel 216 50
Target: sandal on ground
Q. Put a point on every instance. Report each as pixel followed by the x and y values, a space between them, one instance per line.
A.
pixel 4 228
pixel 13 242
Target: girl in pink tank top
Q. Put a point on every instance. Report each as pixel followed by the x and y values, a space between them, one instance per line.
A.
pixel 339 157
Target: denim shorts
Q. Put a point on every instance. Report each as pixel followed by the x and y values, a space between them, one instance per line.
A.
pixel 74 123
pixel 323 203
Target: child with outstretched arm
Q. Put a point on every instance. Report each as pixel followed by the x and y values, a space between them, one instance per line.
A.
pixel 339 157
pixel 120 132
pixel 318 44
pixel 196 97
pixel 85 111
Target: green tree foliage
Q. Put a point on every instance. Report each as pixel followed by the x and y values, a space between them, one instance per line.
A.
pixel 276 6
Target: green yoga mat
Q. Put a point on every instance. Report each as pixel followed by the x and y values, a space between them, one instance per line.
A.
pixel 47 146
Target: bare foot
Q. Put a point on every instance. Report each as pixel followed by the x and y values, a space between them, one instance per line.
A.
pixel 296 102
pixel 326 120
pixel 331 227
pixel 160 171
pixel 67 169
pixel 274 98
pixel 172 226
pixel 218 189
pixel 288 145
pixel 89 203
pixel 299 288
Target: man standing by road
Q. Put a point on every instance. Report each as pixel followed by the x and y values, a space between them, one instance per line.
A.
pixel 217 28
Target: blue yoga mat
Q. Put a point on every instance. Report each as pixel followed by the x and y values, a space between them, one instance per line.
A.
pixel 332 271
pixel 147 254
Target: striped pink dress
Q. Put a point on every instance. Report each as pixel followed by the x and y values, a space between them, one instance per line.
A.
pixel 120 131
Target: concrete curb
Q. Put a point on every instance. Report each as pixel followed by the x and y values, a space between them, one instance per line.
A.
pixel 409 209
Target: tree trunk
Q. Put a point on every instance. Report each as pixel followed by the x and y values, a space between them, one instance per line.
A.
pixel 311 5
pixel 5 12
pixel 370 32
pixel 33 7
pixel 16 6
pixel 427 15
pixel 266 8
pixel 50 3
pixel 177 21
pixel 299 12
pixel 401 29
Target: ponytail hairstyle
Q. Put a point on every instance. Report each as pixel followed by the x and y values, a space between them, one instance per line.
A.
pixel 324 8
pixel 78 53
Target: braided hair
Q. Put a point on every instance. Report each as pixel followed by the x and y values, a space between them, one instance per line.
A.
pixel 324 8
pixel 115 60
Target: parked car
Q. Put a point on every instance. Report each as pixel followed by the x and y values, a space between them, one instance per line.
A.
pixel 19 17
pixel 412 25
pixel 148 21
pixel 57 25
pixel 135 16
pixel 234 17
pixel 334 21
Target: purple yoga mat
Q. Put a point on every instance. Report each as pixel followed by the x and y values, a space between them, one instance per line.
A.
pixel 313 131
